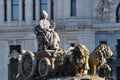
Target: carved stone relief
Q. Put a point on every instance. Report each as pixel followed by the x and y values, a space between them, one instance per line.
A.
pixel 104 9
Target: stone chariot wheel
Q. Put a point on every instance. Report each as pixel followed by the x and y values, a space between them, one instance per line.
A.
pixel 27 65
pixel 44 67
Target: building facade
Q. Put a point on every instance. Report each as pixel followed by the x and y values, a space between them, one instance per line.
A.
pixel 89 22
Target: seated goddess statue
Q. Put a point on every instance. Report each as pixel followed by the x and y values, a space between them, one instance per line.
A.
pixel 46 35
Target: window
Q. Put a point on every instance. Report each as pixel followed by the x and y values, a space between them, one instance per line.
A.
pixel 43 5
pixel 52 9
pixel 34 4
pixel 118 48
pixel 23 10
pixel 15 10
pixel 118 14
pixel 73 7
pixel 5 10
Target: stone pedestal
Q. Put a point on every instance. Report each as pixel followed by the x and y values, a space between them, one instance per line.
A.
pixel 78 78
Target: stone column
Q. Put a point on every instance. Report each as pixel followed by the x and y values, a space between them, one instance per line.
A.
pixel 9 11
pixel 28 14
pixel 20 12
pixel 67 8
pixel 4 51
pixel 59 9
pixel 49 8
pixel 37 10
pixel 78 8
pixel 1 11
pixel 55 9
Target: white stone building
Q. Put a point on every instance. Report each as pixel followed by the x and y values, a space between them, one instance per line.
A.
pixel 90 22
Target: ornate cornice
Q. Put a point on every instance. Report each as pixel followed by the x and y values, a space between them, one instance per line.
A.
pixel 16 29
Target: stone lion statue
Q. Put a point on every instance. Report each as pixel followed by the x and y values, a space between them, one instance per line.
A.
pixel 75 64
pixel 98 58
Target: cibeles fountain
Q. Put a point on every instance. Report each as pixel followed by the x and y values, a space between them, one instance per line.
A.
pixel 51 62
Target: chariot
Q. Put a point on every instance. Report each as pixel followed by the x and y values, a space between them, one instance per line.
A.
pixel 41 63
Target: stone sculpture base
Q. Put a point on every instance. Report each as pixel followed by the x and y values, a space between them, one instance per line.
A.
pixel 78 78
pixel 70 78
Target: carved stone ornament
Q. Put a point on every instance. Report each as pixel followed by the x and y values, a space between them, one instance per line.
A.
pixel 15 42
pixel 104 9
pixel 14 55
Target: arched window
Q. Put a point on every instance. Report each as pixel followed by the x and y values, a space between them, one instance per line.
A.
pixel 118 14
pixel 15 10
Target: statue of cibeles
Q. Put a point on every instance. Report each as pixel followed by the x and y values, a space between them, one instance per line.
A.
pixel 46 35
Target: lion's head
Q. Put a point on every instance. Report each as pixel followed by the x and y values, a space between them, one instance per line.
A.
pixel 80 57
pixel 80 51
pixel 75 64
pixel 103 50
